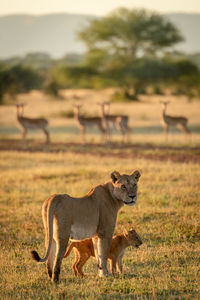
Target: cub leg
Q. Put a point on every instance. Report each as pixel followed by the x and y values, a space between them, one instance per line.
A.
pixel 81 261
pixel 119 264
pixel 76 258
pixel 113 265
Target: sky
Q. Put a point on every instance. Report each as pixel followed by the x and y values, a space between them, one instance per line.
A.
pixel 94 7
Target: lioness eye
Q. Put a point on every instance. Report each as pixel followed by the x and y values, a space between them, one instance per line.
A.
pixel 123 187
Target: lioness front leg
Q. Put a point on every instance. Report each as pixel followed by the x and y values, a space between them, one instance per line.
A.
pixel 103 251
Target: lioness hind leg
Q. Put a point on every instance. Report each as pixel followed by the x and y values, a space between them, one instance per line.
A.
pixel 51 259
pixel 61 249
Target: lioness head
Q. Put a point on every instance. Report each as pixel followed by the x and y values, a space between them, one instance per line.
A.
pixel 125 187
pixel 133 238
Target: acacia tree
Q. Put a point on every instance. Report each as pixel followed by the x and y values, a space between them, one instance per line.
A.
pixel 117 43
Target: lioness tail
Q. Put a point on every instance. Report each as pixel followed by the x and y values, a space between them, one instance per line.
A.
pixel 35 255
pixel 50 212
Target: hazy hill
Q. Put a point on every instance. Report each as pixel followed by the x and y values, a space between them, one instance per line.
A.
pixel 55 34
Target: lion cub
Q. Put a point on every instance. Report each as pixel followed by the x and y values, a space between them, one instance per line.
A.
pixel 84 249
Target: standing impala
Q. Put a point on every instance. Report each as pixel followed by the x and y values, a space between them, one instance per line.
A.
pixel 119 122
pixel 84 122
pixel 167 120
pixel 30 123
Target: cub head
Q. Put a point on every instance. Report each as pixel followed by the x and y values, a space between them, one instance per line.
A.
pixel 133 238
pixel 125 187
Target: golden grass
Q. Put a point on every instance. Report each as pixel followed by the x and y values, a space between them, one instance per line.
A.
pixel 166 216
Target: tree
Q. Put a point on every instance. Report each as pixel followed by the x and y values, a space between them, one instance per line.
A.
pixel 130 32
pixel 62 77
pixel 139 73
pixel 18 79
pixel 119 42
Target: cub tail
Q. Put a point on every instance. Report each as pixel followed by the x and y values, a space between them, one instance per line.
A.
pixel 69 249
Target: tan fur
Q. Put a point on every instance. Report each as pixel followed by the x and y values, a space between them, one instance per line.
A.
pixel 66 217
pixel 84 249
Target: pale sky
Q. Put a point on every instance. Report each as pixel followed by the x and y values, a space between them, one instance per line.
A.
pixel 94 7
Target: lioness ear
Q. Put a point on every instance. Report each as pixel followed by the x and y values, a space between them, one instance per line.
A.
pixel 115 176
pixel 136 174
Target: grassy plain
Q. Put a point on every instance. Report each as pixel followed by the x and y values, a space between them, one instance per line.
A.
pixel 166 216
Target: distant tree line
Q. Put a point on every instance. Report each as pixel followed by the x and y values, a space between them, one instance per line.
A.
pixel 18 79
pixel 128 49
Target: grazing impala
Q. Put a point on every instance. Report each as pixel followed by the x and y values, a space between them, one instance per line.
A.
pixel 30 123
pixel 119 122
pixel 84 122
pixel 167 120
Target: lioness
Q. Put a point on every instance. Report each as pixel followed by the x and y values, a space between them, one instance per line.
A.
pixel 84 249
pixel 66 217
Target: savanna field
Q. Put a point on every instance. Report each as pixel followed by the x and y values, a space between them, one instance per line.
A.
pixel 166 216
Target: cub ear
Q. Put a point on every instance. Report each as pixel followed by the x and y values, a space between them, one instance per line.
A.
pixel 136 174
pixel 115 176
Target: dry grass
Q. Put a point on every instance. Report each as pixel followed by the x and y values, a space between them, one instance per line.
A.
pixel 166 216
